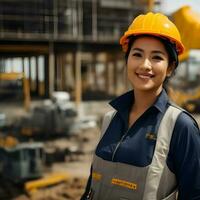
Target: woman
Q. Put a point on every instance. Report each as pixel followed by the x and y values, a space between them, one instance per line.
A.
pixel 149 149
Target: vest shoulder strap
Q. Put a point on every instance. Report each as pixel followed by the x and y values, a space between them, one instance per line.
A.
pixel 156 168
pixel 106 121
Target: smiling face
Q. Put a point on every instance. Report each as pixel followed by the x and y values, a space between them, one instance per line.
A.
pixel 148 64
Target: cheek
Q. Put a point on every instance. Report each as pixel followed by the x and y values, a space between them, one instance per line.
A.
pixel 161 68
pixel 163 73
pixel 131 64
pixel 130 70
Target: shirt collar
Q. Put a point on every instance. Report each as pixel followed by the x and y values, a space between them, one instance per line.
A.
pixel 124 102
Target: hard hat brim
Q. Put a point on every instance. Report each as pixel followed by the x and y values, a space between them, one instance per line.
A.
pixel 124 40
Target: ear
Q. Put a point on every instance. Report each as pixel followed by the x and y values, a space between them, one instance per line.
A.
pixel 171 69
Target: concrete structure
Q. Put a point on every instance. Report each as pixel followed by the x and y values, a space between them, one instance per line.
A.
pixel 67 45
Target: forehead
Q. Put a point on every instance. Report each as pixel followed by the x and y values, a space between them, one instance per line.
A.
pixel 148 43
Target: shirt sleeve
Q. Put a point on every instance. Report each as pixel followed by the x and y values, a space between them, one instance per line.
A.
pixel 184 157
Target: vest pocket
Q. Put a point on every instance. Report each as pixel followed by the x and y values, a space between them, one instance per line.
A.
pixel 172 196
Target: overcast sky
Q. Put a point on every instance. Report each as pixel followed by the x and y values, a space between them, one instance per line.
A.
pixel 169 6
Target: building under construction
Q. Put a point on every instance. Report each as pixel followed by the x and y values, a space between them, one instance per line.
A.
pixel 73 46
pixel 66 45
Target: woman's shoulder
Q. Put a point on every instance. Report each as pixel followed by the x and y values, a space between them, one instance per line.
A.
pixel 186 130
pixel 186 136
pixel 185 120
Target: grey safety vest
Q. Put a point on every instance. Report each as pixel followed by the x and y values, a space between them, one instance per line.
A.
pixel 120 181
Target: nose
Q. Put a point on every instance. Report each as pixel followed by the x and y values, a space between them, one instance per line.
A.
pixel 146 64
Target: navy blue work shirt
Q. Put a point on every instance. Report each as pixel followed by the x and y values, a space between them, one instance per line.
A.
pixel 137 148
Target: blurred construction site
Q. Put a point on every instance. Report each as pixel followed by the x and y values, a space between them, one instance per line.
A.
pixel 60 65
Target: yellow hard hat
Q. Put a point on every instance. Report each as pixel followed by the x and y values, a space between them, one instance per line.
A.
pixel 155 24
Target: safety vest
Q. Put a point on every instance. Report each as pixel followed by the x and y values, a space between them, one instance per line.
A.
pixel 120 181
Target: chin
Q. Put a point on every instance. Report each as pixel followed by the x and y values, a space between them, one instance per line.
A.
pixel 147 89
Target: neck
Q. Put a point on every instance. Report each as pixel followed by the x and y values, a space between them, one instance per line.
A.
pixel 143 100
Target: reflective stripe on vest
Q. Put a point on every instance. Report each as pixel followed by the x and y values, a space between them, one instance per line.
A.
pixel 119 181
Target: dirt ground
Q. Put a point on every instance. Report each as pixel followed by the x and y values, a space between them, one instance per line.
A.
pixel 76 164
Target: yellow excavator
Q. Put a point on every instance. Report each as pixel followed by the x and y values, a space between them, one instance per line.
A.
pixel 184 88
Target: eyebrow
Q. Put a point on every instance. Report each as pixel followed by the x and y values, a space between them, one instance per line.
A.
pixel 141 50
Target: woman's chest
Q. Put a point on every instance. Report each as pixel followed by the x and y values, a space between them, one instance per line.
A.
pixel 134 145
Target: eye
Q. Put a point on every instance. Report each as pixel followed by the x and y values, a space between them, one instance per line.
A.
pixel 137 54
pixel 157 57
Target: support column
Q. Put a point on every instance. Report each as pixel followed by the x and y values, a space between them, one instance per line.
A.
pixel 111 74
pixel 110 66
pixel 36 77
pixel 69 75
pixel 58 72
pixel 94 71
pixel 78 84
pixel 51 68
pixel 46 76
pixel 63 72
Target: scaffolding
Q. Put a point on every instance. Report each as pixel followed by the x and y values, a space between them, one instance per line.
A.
pixel 77 40
pixel 96 20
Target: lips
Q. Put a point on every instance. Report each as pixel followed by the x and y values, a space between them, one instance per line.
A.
pixel 145 75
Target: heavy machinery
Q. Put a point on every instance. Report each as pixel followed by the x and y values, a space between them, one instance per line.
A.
pixel 53 179
pixel 7 78
pixel 184 88
pixel 22 168
pixel 50 117
pixel 21 161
